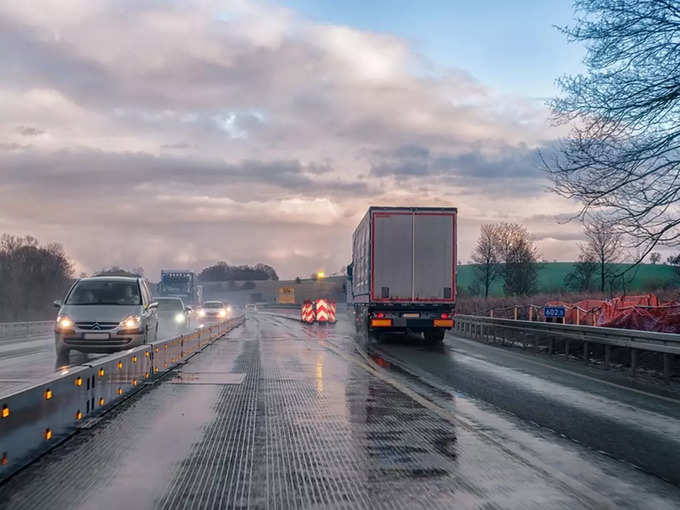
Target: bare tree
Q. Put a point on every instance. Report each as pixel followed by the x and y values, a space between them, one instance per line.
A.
pixel 581 277
pixel 623 154
pixel 487 267
pixel 603 245
pixel 31 276
pixel 519 257
pixel 655 257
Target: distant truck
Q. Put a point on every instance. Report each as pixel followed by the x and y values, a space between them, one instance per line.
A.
pixel 180 283
pixel 403 275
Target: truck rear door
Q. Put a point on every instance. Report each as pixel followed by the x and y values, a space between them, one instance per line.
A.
pixel 392 256
pixel 434 264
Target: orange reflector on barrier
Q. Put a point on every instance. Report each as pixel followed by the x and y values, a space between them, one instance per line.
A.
pixel 4 459
pixel 48 394
pixel 79 381
pixel 381 323
pixel 134 359
pixel 79 415
pixel 101 401
pixel 134 382
pixel 120 391
pixel 101 372
pixel 443 323
pixel 120 365
pixel 47 434
pixel 147 354
pixel 5 411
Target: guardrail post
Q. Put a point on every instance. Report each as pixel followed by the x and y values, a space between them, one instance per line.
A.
pixel 633 361
pixel 551 345
pixel 578 316
pixel 667 367
pixel 607 355
pixel 586 354
pixel 566 347
pixel 515 313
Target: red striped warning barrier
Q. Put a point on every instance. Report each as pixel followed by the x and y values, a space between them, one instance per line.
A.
pixel 331 311
pixel 307 312
pixel 321 310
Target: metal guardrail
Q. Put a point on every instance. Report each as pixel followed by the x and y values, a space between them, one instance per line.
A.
pixel 34 419
pixel 526 332
pixel 24 329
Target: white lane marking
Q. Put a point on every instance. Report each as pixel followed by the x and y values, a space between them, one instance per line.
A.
pixel 569 372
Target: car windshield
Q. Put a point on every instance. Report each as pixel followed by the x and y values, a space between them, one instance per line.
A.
pixel 213 305
pixel 170 305
pixel 105 292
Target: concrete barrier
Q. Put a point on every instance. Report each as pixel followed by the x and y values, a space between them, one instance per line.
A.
pixel 35 419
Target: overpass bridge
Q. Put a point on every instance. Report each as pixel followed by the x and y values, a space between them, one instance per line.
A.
pixel 266 412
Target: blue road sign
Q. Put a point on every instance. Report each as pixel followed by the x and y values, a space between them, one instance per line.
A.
pixel 554 311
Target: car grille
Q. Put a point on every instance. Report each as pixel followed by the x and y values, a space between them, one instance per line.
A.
pixel 96 326
pixel 112 342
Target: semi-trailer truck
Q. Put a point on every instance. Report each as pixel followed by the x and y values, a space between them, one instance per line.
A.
pixel 180 283
pixel 404 271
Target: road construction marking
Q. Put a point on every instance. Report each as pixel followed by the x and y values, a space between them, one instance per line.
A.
pixel 565 371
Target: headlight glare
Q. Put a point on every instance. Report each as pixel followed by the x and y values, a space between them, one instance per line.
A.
pixel 201 313
pixel 64 322
pixel 179 318
pixel 222 313
pixel 130 322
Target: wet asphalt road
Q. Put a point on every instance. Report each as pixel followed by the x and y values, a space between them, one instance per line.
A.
pixel 283 415
pixel 640 426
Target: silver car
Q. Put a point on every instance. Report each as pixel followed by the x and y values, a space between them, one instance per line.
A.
pixel 214 311
pixel 105 314
pixel 174 317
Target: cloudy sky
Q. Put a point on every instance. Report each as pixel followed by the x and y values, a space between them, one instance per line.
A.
pixel 178 133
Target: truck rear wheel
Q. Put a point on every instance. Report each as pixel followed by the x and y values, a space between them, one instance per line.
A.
pixel 435 336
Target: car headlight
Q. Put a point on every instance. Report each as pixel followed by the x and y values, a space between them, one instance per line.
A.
pixel 222 313
pixel 229 309
pixel 64 322
pixel 179 318
pixel 201 313
pixel 130 322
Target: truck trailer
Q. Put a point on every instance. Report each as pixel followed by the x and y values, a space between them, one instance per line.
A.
pixel 404 271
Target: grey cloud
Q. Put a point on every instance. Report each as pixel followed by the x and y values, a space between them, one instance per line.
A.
pixel 175 146
pixel 29 131
pixel 95 171
pixel 414 161
pixel 13 146
pixel 559 235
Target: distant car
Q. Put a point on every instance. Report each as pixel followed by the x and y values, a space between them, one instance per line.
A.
pixel 214 310
pixel 173 315
pixel 105 314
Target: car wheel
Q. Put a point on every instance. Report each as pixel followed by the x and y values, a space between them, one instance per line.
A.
pixel 62 356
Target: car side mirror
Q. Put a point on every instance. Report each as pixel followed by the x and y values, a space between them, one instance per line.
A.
pixel 153 306
pixel 187 309
pixel 56 303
